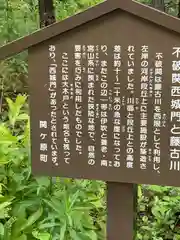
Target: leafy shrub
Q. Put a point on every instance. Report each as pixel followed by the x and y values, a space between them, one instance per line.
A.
pixel 158 213
pixel 19 18
pixel 36 207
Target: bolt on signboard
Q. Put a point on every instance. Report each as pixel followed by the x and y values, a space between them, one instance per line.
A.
pixel 104 99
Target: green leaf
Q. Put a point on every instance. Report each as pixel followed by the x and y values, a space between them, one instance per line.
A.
pixel 74 198
pixel 48 225
pixel 74 235
pixel 43 181
pixel 22 237
pixel 22 116
pixel 33 218
pixel 56 205
pixel 20 100
pixel 16 228
pixel 6 136
pixel 63 231
pixel 92 235
pixel 41 235
pixel 1 229
pixel 15 107
pixel 4 205
pixel 4 159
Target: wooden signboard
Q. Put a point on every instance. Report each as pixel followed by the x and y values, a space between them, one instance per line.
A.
pixel 105 100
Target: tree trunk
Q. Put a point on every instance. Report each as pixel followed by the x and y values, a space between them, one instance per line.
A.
pixel 46 13
pixel 159 4
pixel 179 9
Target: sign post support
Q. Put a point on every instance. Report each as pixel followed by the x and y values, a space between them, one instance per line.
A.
pixel 121 210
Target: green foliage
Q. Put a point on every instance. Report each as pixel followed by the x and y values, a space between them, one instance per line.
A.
pixel 159 213
pixel 33 207
pixel 19 18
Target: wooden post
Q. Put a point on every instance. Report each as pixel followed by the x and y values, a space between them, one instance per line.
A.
pixel 121 211
pixel 46 13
